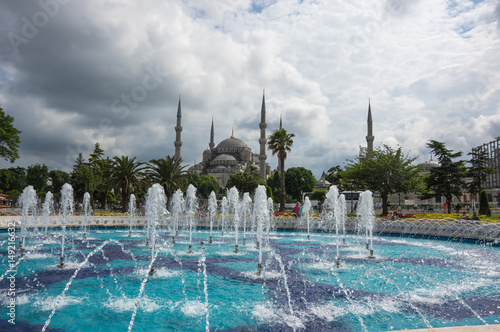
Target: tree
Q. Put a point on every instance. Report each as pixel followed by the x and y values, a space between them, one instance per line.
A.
pixel 13 178
pixel 58 179
pixel 126 174
pixel 169 173
pixel 384 170
pixel 448 178
pixel 208 183
pixel 37 175
pixel 319 195
pixel 334 176
pixel 484 205
pixel 298 180
pixel 280 143
pixel 479 170
pixel 244 182
pixel 9 137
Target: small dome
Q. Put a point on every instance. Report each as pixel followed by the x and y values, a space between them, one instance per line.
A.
pixel 430 164
pixel 224 157
pixel 232 142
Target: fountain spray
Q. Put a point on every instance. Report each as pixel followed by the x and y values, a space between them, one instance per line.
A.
pixel 67 211
pixel 212 209
pixel 261 214
pixel 87 210
pixel 156 202
pixel 234 207
pixel 191 208
pixel 132 206
pixel 27 201
pixel 366 215
pixel 305 210
pixel 47 210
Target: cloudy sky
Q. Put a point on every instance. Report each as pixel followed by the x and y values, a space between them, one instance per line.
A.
pixel 73 73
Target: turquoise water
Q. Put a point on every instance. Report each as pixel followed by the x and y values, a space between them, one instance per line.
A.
pixel 411 283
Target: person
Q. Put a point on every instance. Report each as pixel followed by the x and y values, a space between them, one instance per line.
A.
pixel 296 210
pixel 458 207
pixel 464 216
pixel 390 215
pixel 474 216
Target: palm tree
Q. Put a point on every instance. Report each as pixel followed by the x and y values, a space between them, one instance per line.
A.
pixel 126 174
pixel 169 173
pixel 280 142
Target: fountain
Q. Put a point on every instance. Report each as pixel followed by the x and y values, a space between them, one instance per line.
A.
pixel 27 200
pixel 212 209
pixel 177 206
pixel 224 207
pixel 246 204
pixel 132 206
pixel 191 209
pixel 234 207
pixel 87 211
pixel 427 274
pixel 306 211
pixel 67 212
pixel 47 211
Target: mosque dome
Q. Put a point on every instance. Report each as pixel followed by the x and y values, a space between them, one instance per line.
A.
pixel 232 142
pixel 430 164
pixel 224 157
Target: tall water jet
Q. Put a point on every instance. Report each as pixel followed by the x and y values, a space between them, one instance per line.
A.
pixel 47 210
pixel 224 208
pixel 234 207
pixel 176 205
pixel 333 207
pixel 366 216
pixel 246 203
pixel 306 210
pixel 343 214
pixel 191 209
pixel 270 221
pixel 132 207
pixel 156 202
pixel 212 209
pixel 27 200
pixel 67 212
pixel 261 213
pixel 87 211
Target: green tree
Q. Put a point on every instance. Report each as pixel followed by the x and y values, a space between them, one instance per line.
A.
pixel 169 173
pixel 127 174
pixel 448 178
pixel 58 179
pixel 37 175
pixel 79 178
pixel 298 180
pixel 334 176
pixel 13 178
pixel 274 183
pixel 386 171
pixel 208 183
pixel 484 205
pixel 244 182
pixel 479 170
pixel 9 137
pixel 280 143
pixel 319 195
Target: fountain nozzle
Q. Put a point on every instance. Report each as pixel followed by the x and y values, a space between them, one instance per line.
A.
pixel 129 234
pixel 61 262
pixel 371 254
pixel 259 269
pixel 173 239
pixel 152 271
pixel 308 237
pixel 190 249
pixel 236 250
pixel 147 242
pixel 337 263
pixel 210 239
pixel 367 246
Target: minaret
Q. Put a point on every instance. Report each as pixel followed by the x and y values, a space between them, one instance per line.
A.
pixel 369 137
pixel 281 121
pixel 212 144
pixel 263 140
pixel 178 130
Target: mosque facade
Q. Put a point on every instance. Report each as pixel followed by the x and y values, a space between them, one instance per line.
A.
pixel 231 155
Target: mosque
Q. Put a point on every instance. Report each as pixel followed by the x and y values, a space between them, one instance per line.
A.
pixel 230 156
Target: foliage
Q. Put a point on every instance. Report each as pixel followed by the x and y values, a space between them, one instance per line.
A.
pixel 208 183
pixel 193 179
pixel 384 170
pixel 484 205
pixel 448 178
pixel 335 177
pixel 169 173
pixel 479 170
pixel 58 179
pixel 298 180
pixel 9 137
pixel 244 182
pixel 319 195
pixel 127 174
pixel 37 175
pixel 280 143
pixel 12 179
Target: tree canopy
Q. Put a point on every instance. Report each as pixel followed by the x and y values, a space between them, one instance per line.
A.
pixel 244 182
pixel 9 137
pixel 384 170
pixel 479 170
pixel 280 143
pixel 298 180
pixel 448 178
